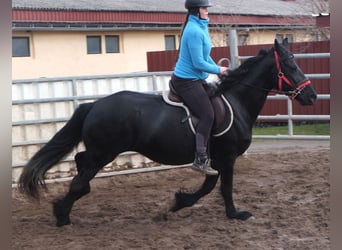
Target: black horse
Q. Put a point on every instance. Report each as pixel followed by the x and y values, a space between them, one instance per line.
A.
pixel 141 122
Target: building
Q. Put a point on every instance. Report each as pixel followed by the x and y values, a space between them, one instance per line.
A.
pixel 73 37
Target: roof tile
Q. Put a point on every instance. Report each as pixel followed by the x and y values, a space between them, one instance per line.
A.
pixel 230 7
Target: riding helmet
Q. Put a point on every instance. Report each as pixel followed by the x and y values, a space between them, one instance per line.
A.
pixel 189 4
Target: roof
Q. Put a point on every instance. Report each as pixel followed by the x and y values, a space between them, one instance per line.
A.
pixel 228 7
pixel 154 14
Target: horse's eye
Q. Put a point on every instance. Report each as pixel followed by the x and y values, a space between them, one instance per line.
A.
pixel 290 63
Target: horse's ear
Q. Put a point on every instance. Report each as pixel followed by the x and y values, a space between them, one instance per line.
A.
pixel 286 43
pixel 276 44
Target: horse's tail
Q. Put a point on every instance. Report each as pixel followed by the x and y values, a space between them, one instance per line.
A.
pixel 51 153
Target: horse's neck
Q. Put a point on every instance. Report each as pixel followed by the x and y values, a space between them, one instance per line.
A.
pixel 251 93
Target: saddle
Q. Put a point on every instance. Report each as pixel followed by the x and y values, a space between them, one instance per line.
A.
pixel 222 109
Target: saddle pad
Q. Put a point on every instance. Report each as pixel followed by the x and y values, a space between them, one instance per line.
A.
pixel 225 128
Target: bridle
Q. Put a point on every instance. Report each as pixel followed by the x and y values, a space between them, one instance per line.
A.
pixel 283 79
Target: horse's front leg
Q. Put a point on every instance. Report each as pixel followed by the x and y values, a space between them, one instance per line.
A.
pixel 184 199
pixel 227 173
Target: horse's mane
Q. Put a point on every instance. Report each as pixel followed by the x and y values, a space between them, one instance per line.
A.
pixel 237 74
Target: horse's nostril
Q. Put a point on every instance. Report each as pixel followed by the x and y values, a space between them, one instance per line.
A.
pixel 313 99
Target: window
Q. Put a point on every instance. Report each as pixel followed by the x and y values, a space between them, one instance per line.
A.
pixel 281 37
pixel 94 44
pixel 170 42
pixel 20 46
pixel 112 44
pixel 242 39
pixel 314 37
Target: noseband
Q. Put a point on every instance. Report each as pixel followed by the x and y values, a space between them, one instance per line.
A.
pixel 283 79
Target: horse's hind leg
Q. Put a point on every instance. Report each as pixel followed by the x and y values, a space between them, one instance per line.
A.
pixel 87 167
pixel 183 199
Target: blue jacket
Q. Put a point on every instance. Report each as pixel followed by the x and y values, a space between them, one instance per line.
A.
pixel 194 60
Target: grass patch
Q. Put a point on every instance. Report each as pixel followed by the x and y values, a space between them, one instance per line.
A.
pixel 298 129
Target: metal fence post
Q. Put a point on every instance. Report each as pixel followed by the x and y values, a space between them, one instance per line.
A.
pixel 233 47
pixel 290 113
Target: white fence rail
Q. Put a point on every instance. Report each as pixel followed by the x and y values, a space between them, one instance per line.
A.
pixel 40 107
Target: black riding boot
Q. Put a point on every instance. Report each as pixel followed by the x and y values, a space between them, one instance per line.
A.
pixel 202 164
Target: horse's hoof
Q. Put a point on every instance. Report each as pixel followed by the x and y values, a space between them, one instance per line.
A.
pixel 162 216
pixel 60 213
pixel 243 215
pixel 173 206
pixel 64 222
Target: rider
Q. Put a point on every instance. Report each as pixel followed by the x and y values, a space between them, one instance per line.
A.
pixel 192 68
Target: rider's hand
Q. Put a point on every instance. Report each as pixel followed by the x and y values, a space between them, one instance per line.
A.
pixel 224 71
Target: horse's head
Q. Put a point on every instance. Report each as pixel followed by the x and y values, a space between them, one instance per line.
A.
pixel 290 78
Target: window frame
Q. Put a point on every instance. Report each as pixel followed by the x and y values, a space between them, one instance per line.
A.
pixel 27 52
pixel 90 50
pixel 242 39
pixel 117 49
pixel 167 42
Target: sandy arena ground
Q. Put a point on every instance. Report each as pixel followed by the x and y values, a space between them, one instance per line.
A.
pixel 285 184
